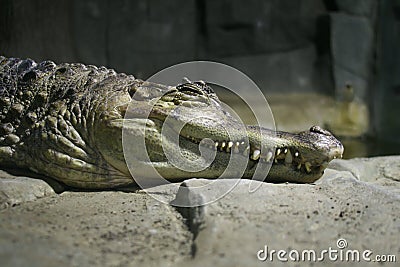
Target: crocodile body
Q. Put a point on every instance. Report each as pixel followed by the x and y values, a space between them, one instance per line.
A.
pixel 65 121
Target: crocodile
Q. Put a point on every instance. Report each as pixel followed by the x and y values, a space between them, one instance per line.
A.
pixel 66 122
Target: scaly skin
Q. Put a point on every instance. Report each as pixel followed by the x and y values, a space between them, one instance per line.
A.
pixel 65 121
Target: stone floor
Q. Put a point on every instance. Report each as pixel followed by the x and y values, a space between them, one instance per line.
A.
pixel 356 200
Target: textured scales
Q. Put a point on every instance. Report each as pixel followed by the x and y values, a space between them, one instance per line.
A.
pixel 65 121
pixel 48 116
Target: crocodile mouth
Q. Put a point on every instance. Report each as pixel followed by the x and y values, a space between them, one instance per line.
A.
pixel 288 157
pixel 288 161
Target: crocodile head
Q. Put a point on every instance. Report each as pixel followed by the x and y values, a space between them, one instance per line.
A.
pixel 186 125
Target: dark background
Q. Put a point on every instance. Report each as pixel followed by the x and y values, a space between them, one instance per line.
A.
pixel 283 45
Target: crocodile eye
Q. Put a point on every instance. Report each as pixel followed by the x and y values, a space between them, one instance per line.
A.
pixel 190 91
pixel 190 88
pixel 317 129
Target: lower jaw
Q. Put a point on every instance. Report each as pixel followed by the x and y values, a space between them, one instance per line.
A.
pixel 255 171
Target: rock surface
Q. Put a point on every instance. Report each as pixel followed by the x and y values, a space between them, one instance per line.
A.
pixel 356 200
pixel 297 217
pixel 93 229
pixel 18 189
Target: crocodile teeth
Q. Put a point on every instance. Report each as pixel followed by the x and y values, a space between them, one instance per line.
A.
pixel 269 156
pixel 308 166
pixel 278 151
pixel 228 148
pixel 216 144
pixel 299 166
pixel 246 151
pixel 222 146
pixel 288 158
pixel 296 154
pixel 256 154
pixel 236 148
